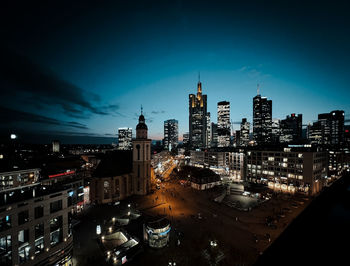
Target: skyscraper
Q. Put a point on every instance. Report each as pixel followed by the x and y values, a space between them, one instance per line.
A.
pixel 55 146
pixel 124 138
pixel 198 118
pixel 214 135
pixel 314 133
pixel 224 125
pixel 337 127
pixel 171 134
pixel 244 135
pixel 275 130
pixel 329 129
pixel 208 138
pixel 291 128
pixel 262 119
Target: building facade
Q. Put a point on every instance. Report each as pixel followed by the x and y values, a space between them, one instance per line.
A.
pixel 224 125
pixel 230 163
pixel 55 146
pixel 124 138
pixel 36 223
pixel 208 139
pixel 328 129
pixel 262 119
pixel 291 128
pixel 198 118
pixel 288 169
pixel 244 134
pixel 214 135
pixel 171 134
pixel 18 178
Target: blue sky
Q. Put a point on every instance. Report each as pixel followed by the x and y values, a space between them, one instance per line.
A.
pixel 118 55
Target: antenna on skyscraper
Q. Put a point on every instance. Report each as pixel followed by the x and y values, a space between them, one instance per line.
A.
pixel 141 109
pixel 199 76
pixel 258 89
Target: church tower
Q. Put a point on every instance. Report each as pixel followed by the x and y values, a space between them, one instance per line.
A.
pixel 141 159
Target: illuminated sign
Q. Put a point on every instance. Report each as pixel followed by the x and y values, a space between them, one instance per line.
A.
pixel 62 174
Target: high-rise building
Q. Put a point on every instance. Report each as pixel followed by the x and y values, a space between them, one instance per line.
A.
pixel 208 138
pixel 337 127
pixel 214 135
pixel 262 119
pixel 329 129
pixel 314 133
pixel 224 125
pixel 141 159
pixel 245 127
pixel 186 138
pixel 124 138
pixel 238 140
pixel 291 128
pixel 198 118
pixel 171 134
pixel 55 146
pixel 275 130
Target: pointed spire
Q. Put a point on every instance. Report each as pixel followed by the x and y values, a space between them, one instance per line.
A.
pixel 141 110
pixel 199 85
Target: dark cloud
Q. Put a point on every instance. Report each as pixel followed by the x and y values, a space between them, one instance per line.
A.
pixel 158 112
pixel 24 82
pixel 18 119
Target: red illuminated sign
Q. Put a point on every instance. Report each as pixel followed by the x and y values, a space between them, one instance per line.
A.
pixel 62 174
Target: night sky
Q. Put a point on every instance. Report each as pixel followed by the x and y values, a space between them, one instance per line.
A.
pixel 83 69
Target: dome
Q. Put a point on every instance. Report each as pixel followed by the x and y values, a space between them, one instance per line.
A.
pixel 141 118
pixel 141 126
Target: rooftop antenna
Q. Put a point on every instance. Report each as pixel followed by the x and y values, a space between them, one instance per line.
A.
pixel 258 89
pixel 199 76
pixel 141 109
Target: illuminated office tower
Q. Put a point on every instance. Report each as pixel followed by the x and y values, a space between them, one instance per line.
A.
pixel 262 119
pixel 208 139
pixel 224 125
pixel 245 127
pixel 198 118
pixel 291 128
pixel 55 146
pixel 171 134
pixel 331 126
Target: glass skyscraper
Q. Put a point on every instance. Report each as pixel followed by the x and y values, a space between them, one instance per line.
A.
pixel 198 118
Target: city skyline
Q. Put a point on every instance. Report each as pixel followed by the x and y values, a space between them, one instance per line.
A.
pixel 98 80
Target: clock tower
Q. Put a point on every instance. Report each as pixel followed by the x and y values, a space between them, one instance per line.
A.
pixel 141 159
